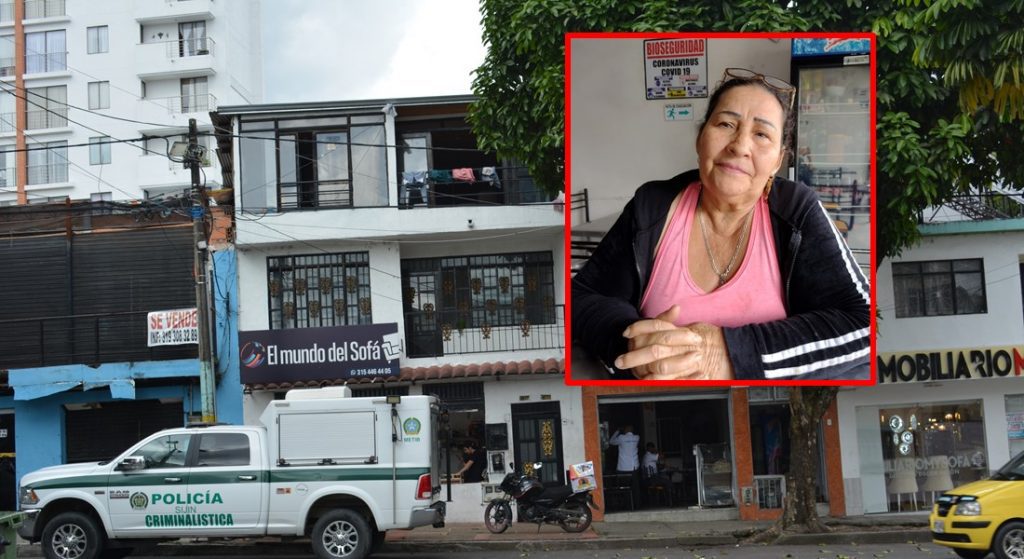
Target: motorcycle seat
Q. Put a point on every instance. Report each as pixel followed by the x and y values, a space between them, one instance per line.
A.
pixel 555 495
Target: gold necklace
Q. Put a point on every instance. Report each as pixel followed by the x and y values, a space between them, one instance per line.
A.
pixel 723 276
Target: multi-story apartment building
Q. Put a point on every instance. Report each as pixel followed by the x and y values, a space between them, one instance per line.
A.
pixel 77 77
pixel 376 235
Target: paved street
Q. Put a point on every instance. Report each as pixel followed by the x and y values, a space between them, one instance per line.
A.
pixel 898 551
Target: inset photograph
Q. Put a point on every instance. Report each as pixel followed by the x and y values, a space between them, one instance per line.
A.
pixel 728 190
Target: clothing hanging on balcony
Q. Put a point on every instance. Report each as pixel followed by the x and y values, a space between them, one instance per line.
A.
pixel 464 174
pixel 414 178
pixel 490 175
pixel 440 175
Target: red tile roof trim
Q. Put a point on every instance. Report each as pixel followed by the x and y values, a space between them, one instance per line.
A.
pixel 436 372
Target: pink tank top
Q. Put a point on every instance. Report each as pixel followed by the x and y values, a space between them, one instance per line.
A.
pixel 752 295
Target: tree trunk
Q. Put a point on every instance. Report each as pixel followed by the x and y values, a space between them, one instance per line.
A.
pixel 806 405
pixel 799 512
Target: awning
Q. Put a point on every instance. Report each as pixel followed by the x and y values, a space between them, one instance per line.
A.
pixel 39 382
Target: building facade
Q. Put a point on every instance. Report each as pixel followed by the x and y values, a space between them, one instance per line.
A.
pixel 949 404
pixel 379 248
pixel 78 77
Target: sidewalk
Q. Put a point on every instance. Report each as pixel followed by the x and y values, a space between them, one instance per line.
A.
pixel 876 529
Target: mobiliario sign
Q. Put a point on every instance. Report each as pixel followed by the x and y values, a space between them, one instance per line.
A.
pixel 951 364
pixel 333 352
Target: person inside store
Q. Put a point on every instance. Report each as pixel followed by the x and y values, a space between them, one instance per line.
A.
pixel 628 444
pixel 474 462
pixel 652 469
pixel 727 271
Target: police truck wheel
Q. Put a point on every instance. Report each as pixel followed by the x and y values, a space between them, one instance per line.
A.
pixel 497 516
pixel 341 534
pixel 581 517
pixel 1009 541
pixel 71 535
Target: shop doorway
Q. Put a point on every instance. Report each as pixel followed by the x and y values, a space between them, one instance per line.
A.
pixel 8 479
pixel 537 436
pixel 674 424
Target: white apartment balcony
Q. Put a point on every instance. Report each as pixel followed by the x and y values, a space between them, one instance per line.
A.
pixel 156 11
pixel 175 59
pixel 45 9
pixel 175 111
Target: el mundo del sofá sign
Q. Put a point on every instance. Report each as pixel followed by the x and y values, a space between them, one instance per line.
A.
pixel 951 364
pixel 334 352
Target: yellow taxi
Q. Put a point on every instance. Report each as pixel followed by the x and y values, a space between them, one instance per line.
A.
pixel 984 516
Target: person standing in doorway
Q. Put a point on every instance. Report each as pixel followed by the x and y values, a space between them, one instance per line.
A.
pixel 628 444
pixel 474 462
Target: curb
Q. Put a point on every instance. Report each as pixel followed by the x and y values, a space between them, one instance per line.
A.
pixel 302 548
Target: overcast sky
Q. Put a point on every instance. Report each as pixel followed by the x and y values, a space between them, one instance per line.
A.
pixel 330 50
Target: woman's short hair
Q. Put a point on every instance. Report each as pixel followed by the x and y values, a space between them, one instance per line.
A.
pixel 788 114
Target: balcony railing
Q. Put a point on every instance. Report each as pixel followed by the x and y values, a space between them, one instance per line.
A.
pixel 6 12
pixel 316 194
pixel 182 48
pixel 56 117
pixel 48 174
pixel 8 176
pixel 511 186
pixel 43 8
pixel 432 333
pixel 46 62
pixel 6 67
pixel 88 339
pixel 182 104
pixel 8 122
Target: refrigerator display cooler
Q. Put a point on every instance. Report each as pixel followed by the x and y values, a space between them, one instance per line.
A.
pixel 833 134
pixel 714 475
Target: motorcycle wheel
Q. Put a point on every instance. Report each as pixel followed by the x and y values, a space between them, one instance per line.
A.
pixel 497 516
pixel 580 518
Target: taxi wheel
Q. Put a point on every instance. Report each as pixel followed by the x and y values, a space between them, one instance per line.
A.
pixel 1009 541
pixel 71 535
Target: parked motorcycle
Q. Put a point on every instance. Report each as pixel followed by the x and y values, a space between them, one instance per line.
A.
pixel 551 505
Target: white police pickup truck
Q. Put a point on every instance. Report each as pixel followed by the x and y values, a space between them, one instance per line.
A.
pixel 337 469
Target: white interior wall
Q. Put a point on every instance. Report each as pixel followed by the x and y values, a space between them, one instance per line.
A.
pixel 619 139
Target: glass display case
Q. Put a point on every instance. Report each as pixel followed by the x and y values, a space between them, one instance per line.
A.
pixel 714 475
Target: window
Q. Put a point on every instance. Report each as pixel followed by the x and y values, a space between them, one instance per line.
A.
pixel 319 290
pixel 6 11
pixel 931 448
pixel 507 299
pixel 223 449
pixel 99 95
pixel 331 162
pixel 194 95
pixel 939 288
pixel 99 150
pixel 97 39
pixel 192 39
pixel 168 451
pixel 50 165
pixel 8 111
pixel 46 107
pixel 6 55
pixel 7 168
pixel 1015 422
pixel 44 8
pixel 45 51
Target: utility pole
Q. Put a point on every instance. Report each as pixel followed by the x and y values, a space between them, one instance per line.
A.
pixel 207 379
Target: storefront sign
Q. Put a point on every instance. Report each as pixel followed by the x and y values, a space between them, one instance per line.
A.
pixel 1015 425
pixel 336 352
pixel 676 68
pixel 173 327
pixel 950 364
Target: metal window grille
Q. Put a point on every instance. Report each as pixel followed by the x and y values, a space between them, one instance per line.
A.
pixel 771 491
pixel 319 290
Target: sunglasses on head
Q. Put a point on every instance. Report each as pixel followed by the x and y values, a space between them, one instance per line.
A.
pixel 772 82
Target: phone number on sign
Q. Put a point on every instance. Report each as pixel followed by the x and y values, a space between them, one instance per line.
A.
pixel 372 372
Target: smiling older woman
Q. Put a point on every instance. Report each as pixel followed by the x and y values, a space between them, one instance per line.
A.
pixel 727 271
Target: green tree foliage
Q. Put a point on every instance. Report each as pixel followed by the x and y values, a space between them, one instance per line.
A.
pixel 950 91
